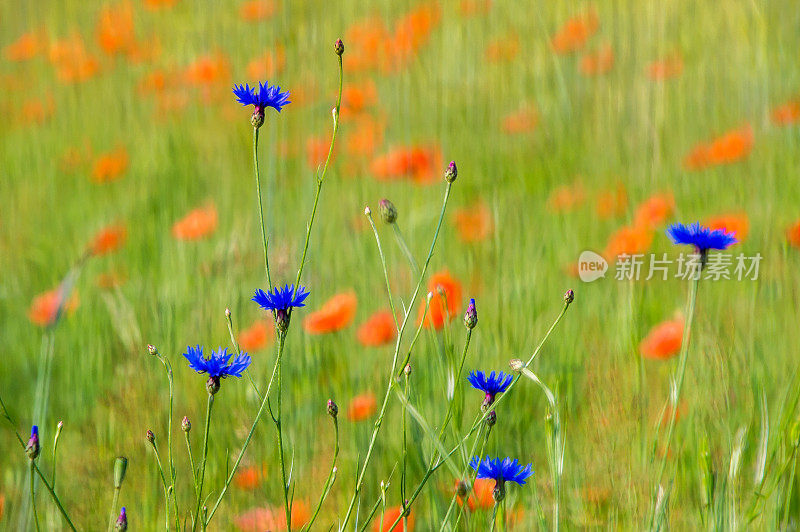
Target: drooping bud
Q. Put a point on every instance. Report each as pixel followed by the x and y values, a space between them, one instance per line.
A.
pixel 516 364
pixel 338 47
pixel 186 425
pixel 257 119
pixel 153 350
pixel 471 315
pixel 499 491
pixel 491 419
pixel 120 467
pixel 212 385
pixel 462 488
pixel 388 211
pixel 451 173
pixel 151 437
pixel 122 521
pixel 33 448
pixel 333 409
pixel 569 296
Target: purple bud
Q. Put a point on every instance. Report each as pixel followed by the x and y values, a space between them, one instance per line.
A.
pixel 122 521
pixel 569 296
pixel 333 409
pixel 338 47
pixel 151 437
pixel 451 173
pixel 33 448
pixel 471 315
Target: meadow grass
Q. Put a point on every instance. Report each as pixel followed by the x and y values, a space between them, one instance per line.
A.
pixel 740 60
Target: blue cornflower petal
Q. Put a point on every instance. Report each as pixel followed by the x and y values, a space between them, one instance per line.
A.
pixel 217 364
pixel 281 299
pixel 263 97
pixel 491 385
pixel 702 238
pixel 501 471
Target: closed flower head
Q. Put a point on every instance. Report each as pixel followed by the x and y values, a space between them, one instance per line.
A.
pixel 122 521
pixel 216 365
pixel 491 384
pixel 501 471
pixel 281 301
pixel 33 448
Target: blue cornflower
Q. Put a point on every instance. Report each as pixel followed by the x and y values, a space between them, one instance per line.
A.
pixel 262 98
pixel 501 471
pixel 491 385
pixel 702 238
pixel 281 301
pixel 122 521
pixel 216 365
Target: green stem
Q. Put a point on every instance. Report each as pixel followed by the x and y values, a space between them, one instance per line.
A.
pixel 170 460
pixel 191 463
pixel 788 502
pixel 378 423
pixel 684 356
pixel 260 412
pixel 33 499
pixel 331 477
pixel 285 486
pixel 55 451
pixel 264 239
pixel 114 502
pixel 471 476
pixel 163 483
pixel 203 463
pixel 404 247
pixel 385 270
pixel 321 177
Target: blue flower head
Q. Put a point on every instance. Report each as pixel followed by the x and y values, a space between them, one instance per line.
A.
pixel 33 447
pixel 501 471
pixel 262 98
pixel 702 238
pixel 281 301
pixel 491 385
pixel 216 365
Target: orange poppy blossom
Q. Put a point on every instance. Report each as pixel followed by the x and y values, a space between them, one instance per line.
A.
pixel 334 315
pixel 473 223
pixel 611 203
pixel 736 223
pixel 480 497
pixel 786 114
pixel 471 8
pixel 574 34
pixel 71 60
pixel 114 29
pixel 256 337
pixel 357 98
pixel 197 224
pixel 733 146
pixel 522 121
pixel 317 151
pixel 2 505
pixel 793 234
pixel 46 307
pixel 37 110
pixel 365 136
pixel 273 518
pixel 361 407
pixel 108 240
pixel 443 305
pixel 653 212
pixel 255 10
pixel 378 330
pixel 599 62
pixel 389 517
pixel 366 44
pixel 268 64
pixel 663 341
pixel 628 240
pixel 249 477
pixel 502 50
pixel 667 68
pixel 566 198
pixel 206 70
pixel 26 47
pixel 411 32
pixel 110 166
pixel 419 163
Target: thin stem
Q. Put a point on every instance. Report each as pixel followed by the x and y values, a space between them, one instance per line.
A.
pixel 264 239
pixel 385 270
pixel 191 463
pixel 114 502
pixel 55 451
pixel 163 483
pixel 404 453
pixel 239 352
pixel 260 412
pixel 321 177
pixel 471 476
pixel 285 485
pixel 378 423
pixel 33 499
pixel 404 247
pixel 170 460
pixel 203 462
pixel 684 357
pixel 331 477
pixel 788 502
